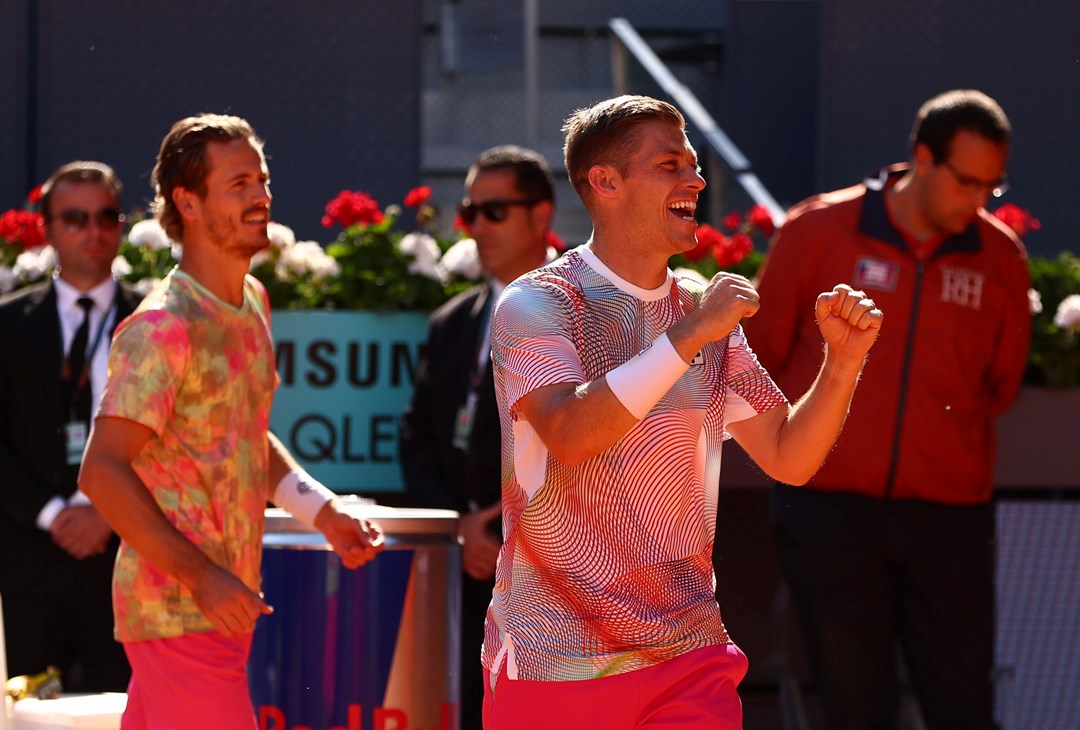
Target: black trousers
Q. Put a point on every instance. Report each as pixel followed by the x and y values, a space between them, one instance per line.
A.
pixel 868 575
pixel 60 613
pixel 475 597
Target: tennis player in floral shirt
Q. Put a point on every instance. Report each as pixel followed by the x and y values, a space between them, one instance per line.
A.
pixel 181 461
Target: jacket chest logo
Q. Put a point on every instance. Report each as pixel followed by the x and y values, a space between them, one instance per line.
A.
pixel 962 286
pixel 876 274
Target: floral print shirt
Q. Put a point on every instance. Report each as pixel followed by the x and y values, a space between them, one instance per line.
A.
pixel 200 374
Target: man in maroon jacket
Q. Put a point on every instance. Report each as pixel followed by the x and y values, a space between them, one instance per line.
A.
pixel 893 540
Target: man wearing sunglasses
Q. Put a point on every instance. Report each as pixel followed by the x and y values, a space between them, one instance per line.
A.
pixel 56 550
pixel 617 384
pixel 892 542
pixel 450 429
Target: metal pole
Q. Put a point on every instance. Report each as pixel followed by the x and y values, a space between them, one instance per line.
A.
pixel 618 66
pixel 532 73
pixel 698 115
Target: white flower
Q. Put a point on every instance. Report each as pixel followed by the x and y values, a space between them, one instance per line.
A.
pixel 685 273
pixel 35 263
pixel 425 254
pixel 281 236
pixel 144 286
pixel 463 260
pixel 121 267
pixel 260 258
pixel 148 233
pixel 7 279
pixel 1034 301
pixel 305 259
pixel 1068 312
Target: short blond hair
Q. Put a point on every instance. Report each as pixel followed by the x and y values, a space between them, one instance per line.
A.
pixel 604 134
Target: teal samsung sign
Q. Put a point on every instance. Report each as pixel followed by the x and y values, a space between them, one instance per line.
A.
pixel 345 379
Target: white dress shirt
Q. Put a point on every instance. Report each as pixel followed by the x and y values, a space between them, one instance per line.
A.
pixel 71 317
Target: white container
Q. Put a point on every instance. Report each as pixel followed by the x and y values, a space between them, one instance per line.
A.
pixel 84 711
pixel 5 704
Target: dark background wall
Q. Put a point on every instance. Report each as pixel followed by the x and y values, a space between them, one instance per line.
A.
pixel 881 59
pixel 773 99
pixel 815 92
pixel 332 87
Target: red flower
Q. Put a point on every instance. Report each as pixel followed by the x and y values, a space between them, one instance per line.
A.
pixel 417 196
pixel 552 239
pixel 350 208
pixel 733 250
pixel 733 220
pixel 34 197
pixel 460 225
pixel 759 218
pixel 1017 218
pixel 708 239
pixel 22 229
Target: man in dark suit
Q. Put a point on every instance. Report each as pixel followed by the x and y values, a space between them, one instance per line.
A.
pixel 450 441
pixel 56 551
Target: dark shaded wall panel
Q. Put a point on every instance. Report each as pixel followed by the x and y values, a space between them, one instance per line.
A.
pixel 333 88
pixel 774 92
pixel 882 59
pixel 13 138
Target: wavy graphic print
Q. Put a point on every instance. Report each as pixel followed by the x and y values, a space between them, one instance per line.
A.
pixel 606 567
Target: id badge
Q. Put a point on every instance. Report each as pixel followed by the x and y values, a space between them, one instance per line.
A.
pixel 463 424
pixel 75 435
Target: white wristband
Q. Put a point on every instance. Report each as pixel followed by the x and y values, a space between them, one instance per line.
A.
pixel 640 382
pixel 301 495
pixel 78 499
pixel 49 512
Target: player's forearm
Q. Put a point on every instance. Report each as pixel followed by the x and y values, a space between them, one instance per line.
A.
pixel 280 463
pixel 129 508
pixel 815 421
pixel 577 423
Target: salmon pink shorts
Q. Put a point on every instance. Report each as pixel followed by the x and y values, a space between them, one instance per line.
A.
pixel 193 681
pixel 695 690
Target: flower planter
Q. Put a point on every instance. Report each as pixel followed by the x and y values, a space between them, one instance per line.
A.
pixel 1039 440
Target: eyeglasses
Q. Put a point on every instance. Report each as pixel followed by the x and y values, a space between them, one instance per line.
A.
pixel 494 210
pixel 75 220
pixel 997 188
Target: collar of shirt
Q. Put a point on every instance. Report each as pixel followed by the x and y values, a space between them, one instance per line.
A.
pixel 67 297
pixel 645 295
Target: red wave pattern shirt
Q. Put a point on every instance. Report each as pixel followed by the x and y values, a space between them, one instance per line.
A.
pixel 606 567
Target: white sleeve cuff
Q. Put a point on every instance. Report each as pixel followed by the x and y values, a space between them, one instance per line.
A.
pixel 640 382
pixel 49 512
pixel 78 499
pixel 302 496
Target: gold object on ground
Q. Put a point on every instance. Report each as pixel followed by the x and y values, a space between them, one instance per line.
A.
pixel 44 686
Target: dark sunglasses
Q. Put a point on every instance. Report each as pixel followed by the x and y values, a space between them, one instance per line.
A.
pixel 75 220
pixel 494 210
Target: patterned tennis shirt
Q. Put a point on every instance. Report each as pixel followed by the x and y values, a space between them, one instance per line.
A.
pixel 606 567
pixel 200 374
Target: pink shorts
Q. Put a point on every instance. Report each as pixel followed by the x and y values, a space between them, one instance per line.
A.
pixel 193 681
pixel 691 691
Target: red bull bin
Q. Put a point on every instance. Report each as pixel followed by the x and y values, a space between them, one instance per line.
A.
pixel 370 649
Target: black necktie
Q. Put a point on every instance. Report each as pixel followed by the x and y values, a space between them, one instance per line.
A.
pixel 80 394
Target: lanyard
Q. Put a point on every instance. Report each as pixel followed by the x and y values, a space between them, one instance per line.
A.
pixel 479 366
pixel 466 413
